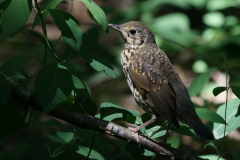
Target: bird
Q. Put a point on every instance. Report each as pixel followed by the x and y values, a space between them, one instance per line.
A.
pixel 154 82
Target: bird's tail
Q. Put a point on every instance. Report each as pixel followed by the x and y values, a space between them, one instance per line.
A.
pixel 199 128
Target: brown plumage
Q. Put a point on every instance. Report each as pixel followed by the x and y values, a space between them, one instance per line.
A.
pixel 154 82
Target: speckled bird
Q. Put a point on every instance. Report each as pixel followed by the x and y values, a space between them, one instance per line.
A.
pixel 154 82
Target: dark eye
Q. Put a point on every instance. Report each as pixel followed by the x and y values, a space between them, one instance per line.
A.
pixel 133 31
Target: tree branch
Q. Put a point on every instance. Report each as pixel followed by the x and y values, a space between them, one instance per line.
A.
pixel 92 123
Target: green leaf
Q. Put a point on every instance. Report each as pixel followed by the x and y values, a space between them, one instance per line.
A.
pixel 113 117
pixel 238 112
pixel 174 141
pixel 136 152
pixel 218 90
pixel 209 115
pixel 4 4
pixel 15 16
pixel 12 117
pixel 85 105
pixel 19 75
pixel 231 120
pixel 236 90
pixel 69 27
pixel 46 4
pixel 213 145
pixel 234 154
pixel 80 84
pixel 97 13
pixel 94 154
pixel 214 19
pixel 65 136
pixel 129 118
pixel 15 64
pixel 53 85
pixel 199 82
pixel 5 89
pixel 185 130
pixel 99 64
pixel 107 108
pixel 212 157
pixel 68 102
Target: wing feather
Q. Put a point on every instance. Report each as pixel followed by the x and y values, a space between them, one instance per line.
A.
pixel 150 80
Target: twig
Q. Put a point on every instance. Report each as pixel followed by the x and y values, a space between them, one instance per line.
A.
pixel 92 123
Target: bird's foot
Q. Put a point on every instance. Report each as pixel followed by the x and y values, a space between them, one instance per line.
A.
pixel 136 131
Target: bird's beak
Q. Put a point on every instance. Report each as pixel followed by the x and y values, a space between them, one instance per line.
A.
pixel 115 26
pixel 122 32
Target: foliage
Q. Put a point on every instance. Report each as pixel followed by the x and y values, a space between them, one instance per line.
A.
pixel 63 72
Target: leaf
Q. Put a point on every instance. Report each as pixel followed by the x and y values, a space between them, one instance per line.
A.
pixel 218 90
pixel 19 75
pixel 113 117
pixel 136 152
pixel 80 84
pixel 213 145
pixel 46 4
pixel 231 120
pixel 211 157
pixel 238 111
pixel 214 19
pixel 69 27
pixel 209 115
pixel 148 153
pixel 234 154
pixel 107 108
pixel 65 136
pixel 97 13
pixel 12 117
pixel 15 16
pixel 185 130
pixel 53 85
pixel 15 64
pixel 4 4
pixel 5 89
pixel 236 90
pixel 85 105
pixel 174 141
pixel 99 64
pixel 94 154
pixel 199 82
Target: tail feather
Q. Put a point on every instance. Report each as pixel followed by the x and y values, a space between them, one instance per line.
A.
pixel 199 128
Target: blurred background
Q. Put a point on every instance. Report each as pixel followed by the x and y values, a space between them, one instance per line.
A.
pixel 197 35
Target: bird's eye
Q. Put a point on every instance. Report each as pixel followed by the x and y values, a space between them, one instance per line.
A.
pixel 133 31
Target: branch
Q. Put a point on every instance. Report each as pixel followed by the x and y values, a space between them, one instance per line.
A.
pixel 92 123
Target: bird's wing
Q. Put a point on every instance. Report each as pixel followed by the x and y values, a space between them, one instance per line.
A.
pixel 148 75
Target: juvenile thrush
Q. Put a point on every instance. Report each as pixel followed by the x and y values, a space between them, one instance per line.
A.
pixel 154 82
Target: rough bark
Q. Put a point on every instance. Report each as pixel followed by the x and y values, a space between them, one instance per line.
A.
pixel 88 122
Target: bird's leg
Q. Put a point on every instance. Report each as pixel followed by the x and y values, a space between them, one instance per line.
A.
pixel 165 137
pixel 141 126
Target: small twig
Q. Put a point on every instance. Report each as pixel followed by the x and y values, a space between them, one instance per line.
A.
pixel 94 134
pixel 225 116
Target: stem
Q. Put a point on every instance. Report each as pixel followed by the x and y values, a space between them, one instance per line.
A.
pixel 71 7
pixel 45 56
pixel 55 152
pixel 45 32
pixel 225 116
pixel 94 133
pixel 118 155
pixel 28 123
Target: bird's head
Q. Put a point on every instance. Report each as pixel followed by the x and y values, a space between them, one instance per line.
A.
pixel 135 33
